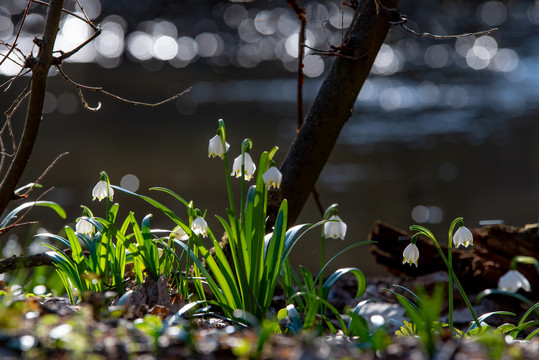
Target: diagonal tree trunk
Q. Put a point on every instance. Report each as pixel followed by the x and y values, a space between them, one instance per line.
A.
pixel 332 106
pixel 34 113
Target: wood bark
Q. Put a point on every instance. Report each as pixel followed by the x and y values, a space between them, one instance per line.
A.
pixel 332 106
pixel 35 105
pixel 478 267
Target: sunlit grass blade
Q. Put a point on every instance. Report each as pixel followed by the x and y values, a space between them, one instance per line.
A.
pixel 13 213
pixel 332 279
pixel 223 296
pixel 340 253
pixel 483 317
pixel 153 202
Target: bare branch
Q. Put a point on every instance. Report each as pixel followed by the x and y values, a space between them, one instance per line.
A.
pixel 300 12
pixel 19 220
pixel 17 224
pixel 83 12
pixel 25 261
pixel 18 33
pixel 99 89
pixel 35 105
pixel 331 109
pixel 86 20
pixel 68 54
pixel 434 36
pixel 399 18
pixel 10 81
pixel 47 170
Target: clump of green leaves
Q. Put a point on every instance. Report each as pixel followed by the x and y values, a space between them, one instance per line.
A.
pixel 101 264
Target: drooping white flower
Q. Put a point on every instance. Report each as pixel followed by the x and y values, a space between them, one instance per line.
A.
pixel 272 178
pixel 410 255
pixel 101 191
pixel 335 229
pixel 179 234
pixel 250 167
pixel 463 236
pixel 215 147
pixel 512 281
pixel 200 226
pixel 84 227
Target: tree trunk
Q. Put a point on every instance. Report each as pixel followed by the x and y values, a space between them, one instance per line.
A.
pixel 35 105
pixel 332 107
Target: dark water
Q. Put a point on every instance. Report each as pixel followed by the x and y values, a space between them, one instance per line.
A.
pixel 434 135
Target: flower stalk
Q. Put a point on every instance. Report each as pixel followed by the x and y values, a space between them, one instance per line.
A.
pixel 426 232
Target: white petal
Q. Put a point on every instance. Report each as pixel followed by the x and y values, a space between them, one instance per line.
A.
pixel 272 177
pixel 512 281
pixel 83 226
pixel 335 229
pixel 249 165
pixel 179 233
pixel 215 147
pixel 463 236
pixel 410 254
pixel 200 226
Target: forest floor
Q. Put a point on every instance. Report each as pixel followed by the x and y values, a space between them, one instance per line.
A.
pixel 51 328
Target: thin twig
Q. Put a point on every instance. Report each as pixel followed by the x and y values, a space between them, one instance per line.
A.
pixel 18 33
pixel 26 212
pixel 401 19
pixel 99 89
pixel 10 81
pixel 316 196
pixel 336 52
pixel 68 54
pixel 83 12
pixel 434 36
pixel 47 170
pixel 17 224
pixel 70 13
pixel 16 51
pixel 300 12
pixel 15 105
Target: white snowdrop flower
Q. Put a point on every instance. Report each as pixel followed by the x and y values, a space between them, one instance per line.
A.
pixel 84 227
pixel 512 281
pixel 335 229
pixel 179 234
pixel 463 236
pixel 215 147
pixel 272 178
pixel 200 226
pixel 102 190
pixel 410 255
pixel 250 167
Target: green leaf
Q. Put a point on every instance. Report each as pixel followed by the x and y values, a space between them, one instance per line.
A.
pixel 153 202
pixel 483 317
pixel 489 292
pixel 27 186
pixel 361 281
pixel 525 316
pixel 340 253
pixel 220 288
pixel 504 328
pixel 54 206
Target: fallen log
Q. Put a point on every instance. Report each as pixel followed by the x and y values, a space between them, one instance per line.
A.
pixel 478 267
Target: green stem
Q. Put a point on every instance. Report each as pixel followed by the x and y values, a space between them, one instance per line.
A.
pixel 229 185
pixel 242 203
pixel 450 281
pixel 322 262
pixel 457 282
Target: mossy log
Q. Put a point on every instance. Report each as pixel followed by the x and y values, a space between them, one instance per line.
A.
pixel 478 267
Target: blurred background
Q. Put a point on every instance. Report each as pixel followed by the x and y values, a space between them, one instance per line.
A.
pixel 441 128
